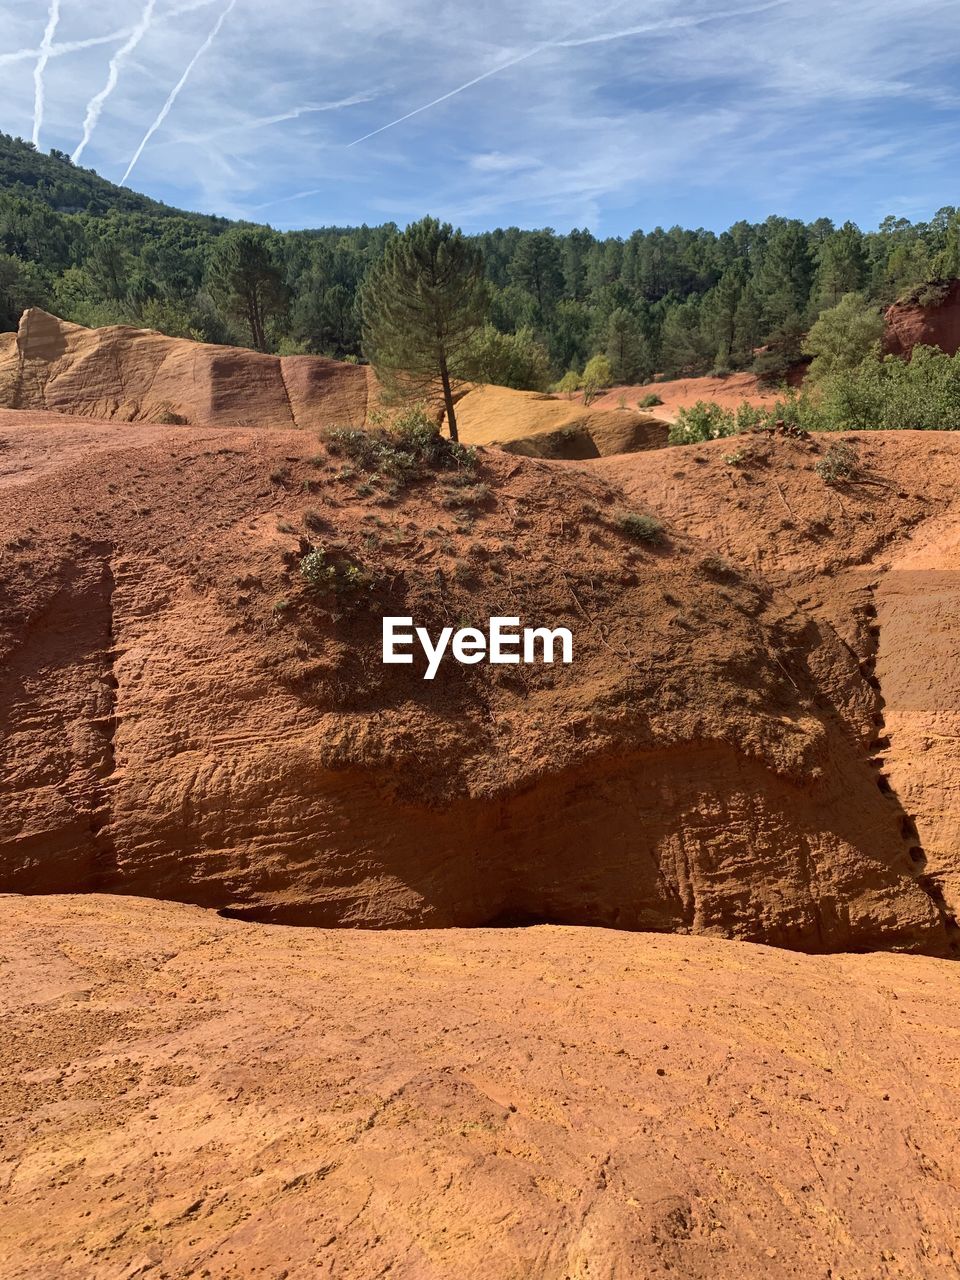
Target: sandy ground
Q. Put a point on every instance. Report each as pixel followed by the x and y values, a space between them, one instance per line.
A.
pixel 185 1096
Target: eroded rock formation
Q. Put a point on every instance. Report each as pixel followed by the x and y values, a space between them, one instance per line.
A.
pixel 182 718
pixel 933 323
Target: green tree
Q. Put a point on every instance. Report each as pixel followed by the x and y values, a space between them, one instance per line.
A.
pixel 719 313
pixel 596 376
pixel 842 267
pixel 21 286
pixel 626 348
pixel 685 348
pixel 843 336
pixel 537 266
pixel 422 306
pixel 515 360
pixel 786 274
pixel 947 262
pixel 245 275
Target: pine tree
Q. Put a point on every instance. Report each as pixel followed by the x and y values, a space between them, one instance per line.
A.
pixel 422 306
pixel 842 268
pixel 537 266
pixel 626 348
pixel 786 274
pixel 245 274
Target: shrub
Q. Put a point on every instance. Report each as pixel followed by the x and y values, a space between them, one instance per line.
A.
pixel 568 384
pixel 706 420
pixel 843 336
pixel 837 464
pixel 515 360
pixel 887 393
pixel 641 528
pixel 168 417
pixel 649 401
pixel 412 445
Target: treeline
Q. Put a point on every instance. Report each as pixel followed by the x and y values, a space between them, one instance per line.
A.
pixel 669 301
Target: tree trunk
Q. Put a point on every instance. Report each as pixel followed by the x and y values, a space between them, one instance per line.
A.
pixel 448 399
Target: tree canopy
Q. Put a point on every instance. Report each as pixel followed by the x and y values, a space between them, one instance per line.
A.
pixel 672 300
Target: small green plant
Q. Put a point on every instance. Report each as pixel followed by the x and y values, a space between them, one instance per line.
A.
pixel 621 402
pixel 458 496
pixel 314 521
pixel 640 528
pixel 340 576
pixel 284 526
pixel 281 606
pixel 649 401
pixel 839 463
pixel 737 458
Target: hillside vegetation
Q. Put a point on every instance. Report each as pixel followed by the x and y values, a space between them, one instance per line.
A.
pixel 673 301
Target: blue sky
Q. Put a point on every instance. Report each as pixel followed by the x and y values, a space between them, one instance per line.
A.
pixel 526 112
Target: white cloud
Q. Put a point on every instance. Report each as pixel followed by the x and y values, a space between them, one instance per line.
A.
pixel 642 111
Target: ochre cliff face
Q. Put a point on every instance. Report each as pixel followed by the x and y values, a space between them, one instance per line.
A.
pixel 136 375
pixel 908 324
pixel 873 560
pixel 181 718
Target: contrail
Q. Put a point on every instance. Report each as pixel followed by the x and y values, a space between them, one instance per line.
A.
pixel 174 92
pixel 43 57
pixel 68 46
pixel 494 71
pixel 670 24
pixel 95 105
pixel 262 122
pixel 75 46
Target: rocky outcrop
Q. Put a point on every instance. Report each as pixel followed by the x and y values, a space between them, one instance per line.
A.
pixel 181 717
pixel 553 426
pixel 184 1096
pixel 873 557
pixel 136 375
pixel 933 321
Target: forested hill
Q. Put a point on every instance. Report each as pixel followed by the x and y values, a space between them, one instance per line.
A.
pixel 67 188
pixel 675 301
